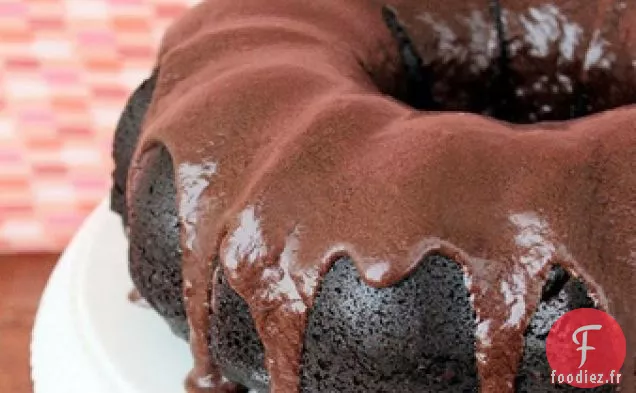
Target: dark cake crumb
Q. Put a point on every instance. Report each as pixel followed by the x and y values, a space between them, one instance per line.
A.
pixel 561 294
pixel 416 336
pixel 235 344
pixel 155 253
pixel 125 141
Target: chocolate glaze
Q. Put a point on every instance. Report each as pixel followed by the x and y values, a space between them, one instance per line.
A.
pixel 297 155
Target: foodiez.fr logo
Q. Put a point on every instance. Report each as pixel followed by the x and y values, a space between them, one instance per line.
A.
pixel 586 348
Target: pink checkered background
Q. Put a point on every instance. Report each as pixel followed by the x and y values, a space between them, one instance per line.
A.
pixel 66 70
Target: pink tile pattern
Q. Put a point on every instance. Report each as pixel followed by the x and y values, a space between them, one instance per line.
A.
pixel 66 70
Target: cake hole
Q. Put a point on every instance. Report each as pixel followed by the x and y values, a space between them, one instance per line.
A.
pixel 507 88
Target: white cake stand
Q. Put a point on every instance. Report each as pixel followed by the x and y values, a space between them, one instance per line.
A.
pixel 88 336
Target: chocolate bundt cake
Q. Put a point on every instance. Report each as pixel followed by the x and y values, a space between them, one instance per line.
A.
pixel 384 196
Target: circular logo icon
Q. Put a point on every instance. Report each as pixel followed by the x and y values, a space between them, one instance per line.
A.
pixel 585 349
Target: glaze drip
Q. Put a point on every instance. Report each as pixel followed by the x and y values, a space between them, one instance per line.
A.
pixel 312 161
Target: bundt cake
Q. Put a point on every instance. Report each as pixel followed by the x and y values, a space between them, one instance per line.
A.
pixel 384 196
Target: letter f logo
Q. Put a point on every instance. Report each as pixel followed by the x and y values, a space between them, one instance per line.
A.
pixel 583 344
